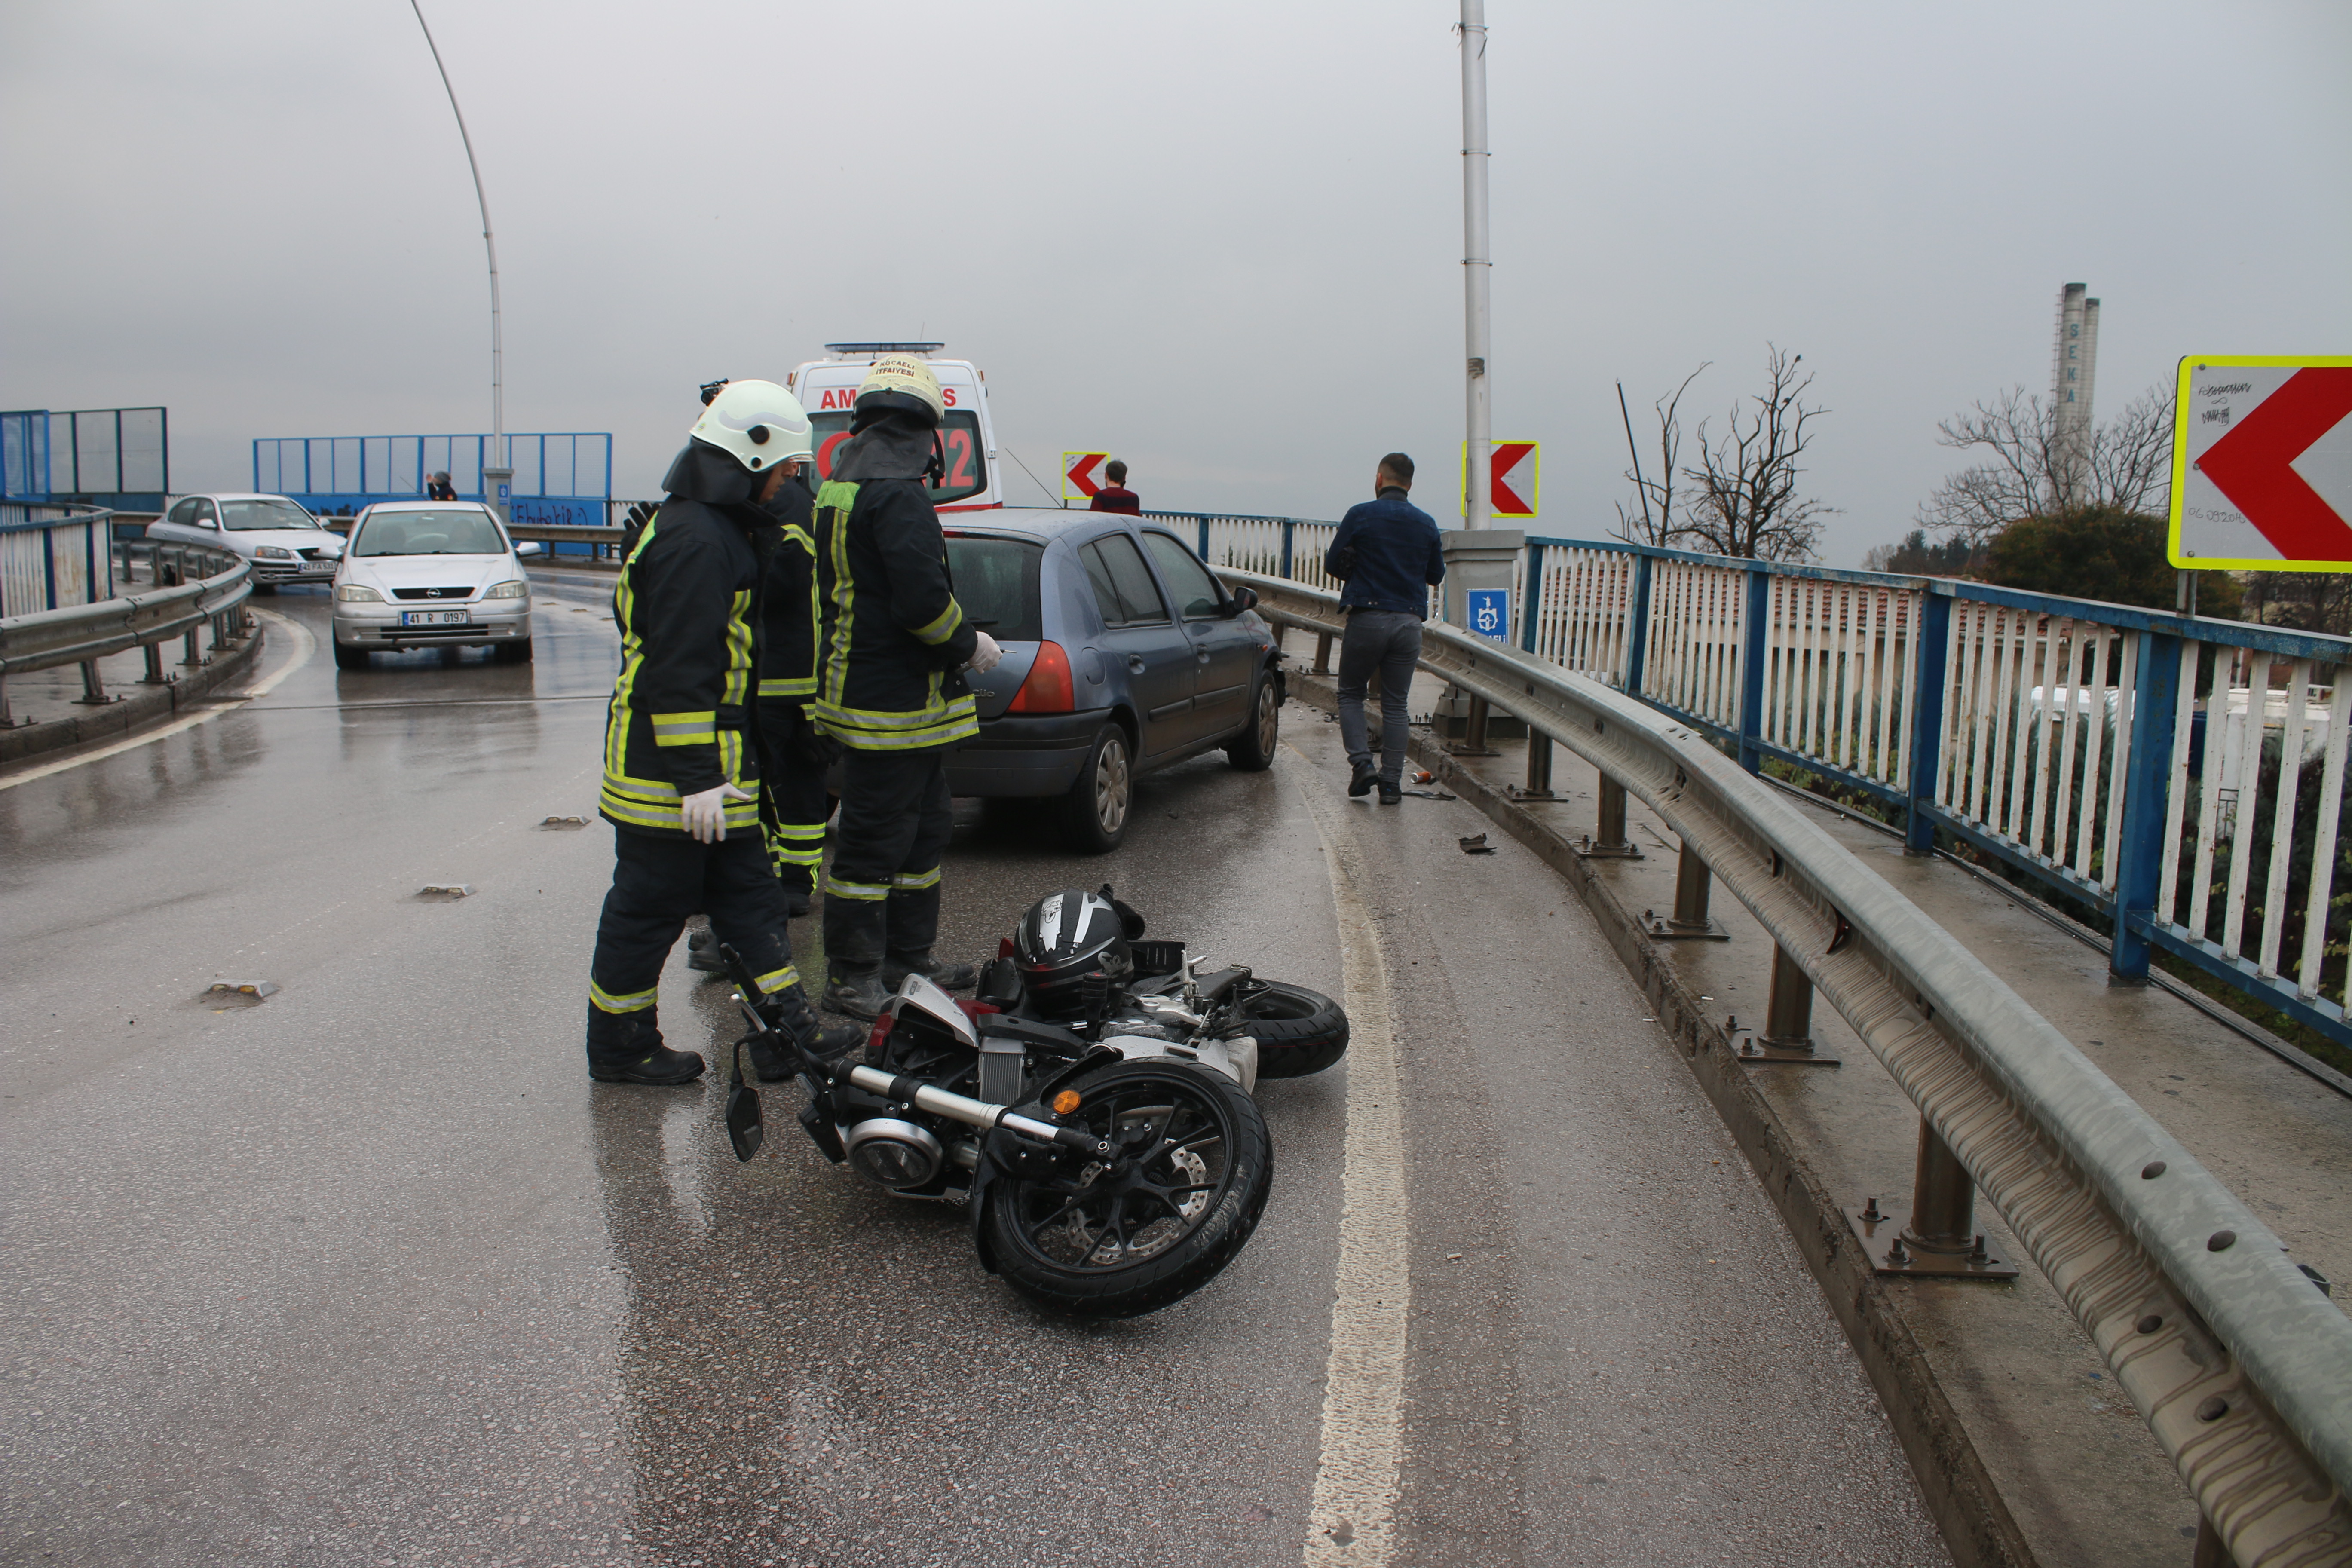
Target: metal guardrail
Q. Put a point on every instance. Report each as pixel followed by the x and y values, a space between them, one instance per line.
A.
pixel 209 587
pixel 2183 778
pixel 2240 1367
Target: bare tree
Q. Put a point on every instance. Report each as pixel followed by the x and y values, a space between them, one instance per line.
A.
pixel 1748 503
pixel 2130 464
pixel 1649 518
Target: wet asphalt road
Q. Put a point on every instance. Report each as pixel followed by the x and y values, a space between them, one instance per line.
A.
pixel 370 1273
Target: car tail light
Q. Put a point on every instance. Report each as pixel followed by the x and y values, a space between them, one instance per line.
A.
pixel 1047 688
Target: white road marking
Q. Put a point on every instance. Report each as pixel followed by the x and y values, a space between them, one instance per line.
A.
pixel 1353 1518
pixel 216 704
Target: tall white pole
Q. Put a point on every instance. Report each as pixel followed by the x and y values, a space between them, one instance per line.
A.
pixel 497 344
pixel 1478 511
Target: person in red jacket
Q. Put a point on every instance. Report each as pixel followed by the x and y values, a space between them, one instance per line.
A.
pixel 1115 496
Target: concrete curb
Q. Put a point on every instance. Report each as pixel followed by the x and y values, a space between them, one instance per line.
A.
pixel 1976 1523
pixel 139 709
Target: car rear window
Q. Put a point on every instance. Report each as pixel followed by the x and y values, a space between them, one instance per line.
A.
pixel 996 584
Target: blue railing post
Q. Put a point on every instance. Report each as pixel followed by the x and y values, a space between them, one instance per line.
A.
pixel 1204 537
pixel 1531 596
pixel 2147 778
pixel 1935 646
pixel 1637 627
pixel 1755 636
pixel 1288 525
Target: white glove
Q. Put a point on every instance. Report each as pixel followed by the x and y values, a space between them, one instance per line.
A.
pixel 985 654
pixel 706 813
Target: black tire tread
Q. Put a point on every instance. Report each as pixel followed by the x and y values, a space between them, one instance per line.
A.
pixel 1306 1033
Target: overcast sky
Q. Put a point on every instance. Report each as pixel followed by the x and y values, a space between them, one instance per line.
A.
pixel 1223 240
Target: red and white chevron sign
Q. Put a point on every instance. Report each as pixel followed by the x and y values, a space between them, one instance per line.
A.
pixel 2261 464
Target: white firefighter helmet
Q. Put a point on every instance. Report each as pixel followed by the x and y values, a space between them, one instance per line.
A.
pixel 758 423
pixel 906 382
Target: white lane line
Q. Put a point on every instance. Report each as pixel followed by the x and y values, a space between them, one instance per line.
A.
pixel 1353 1519
pixel 216 704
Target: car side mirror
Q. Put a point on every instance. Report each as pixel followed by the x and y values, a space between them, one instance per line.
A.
pixel 529 547
pixel 1242 599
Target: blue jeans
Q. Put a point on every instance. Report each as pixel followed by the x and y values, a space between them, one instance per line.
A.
pixel 1388 641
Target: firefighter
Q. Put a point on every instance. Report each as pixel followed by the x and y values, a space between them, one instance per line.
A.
pixel 681 769
pixel 890 690
pixel 798 753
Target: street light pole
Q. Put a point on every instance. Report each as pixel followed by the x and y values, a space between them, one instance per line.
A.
pixel 498 463
pixel 1478 507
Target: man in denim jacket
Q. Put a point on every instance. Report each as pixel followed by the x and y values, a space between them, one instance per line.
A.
pixel 1387 551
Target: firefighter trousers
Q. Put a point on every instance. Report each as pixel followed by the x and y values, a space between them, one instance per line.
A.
pixel 882 894
pixel 798 806
pixel 658 880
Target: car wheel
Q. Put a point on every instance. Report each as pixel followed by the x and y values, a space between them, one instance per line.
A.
pixel 264 590
pixel 350 658
pixel 1252 751
pixel 1094 814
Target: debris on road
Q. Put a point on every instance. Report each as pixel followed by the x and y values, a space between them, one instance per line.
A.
pixel 1475 844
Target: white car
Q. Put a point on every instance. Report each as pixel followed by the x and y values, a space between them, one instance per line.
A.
pixel 284 543
pixel 420 574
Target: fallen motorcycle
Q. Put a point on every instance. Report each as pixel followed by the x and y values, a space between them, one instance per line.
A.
pixel 1090 1108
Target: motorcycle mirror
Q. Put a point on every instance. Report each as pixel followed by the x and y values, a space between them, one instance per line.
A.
pixel 745 1127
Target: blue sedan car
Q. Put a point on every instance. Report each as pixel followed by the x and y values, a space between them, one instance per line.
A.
pixel 1122 654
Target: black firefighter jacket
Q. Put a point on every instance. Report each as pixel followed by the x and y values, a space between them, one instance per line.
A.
pixel 688 607
pixel 895 638
pixel 791 617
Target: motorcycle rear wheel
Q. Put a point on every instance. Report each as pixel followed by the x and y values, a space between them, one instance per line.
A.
pixel 1094 1242
pixel 1297 1031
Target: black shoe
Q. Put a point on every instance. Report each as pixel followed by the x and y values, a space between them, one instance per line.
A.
pixel 795 905
pixel 938 971
pixel 774 1064
pixel 660 1066
pixel 857 994
pixel 702 953
pixel 1391 794
pixel 1366 776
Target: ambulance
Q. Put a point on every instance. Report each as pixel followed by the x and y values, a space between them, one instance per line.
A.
pixel 827 388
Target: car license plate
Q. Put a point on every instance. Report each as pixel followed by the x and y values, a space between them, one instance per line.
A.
pixel 435 618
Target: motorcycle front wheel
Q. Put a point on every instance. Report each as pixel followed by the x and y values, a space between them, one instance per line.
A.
pixel 1177 1203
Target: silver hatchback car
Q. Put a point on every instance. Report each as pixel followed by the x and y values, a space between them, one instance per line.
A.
pixel 431 573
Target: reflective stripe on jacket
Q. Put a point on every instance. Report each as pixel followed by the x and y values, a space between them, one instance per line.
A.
pixel 895 640
pixel 684 604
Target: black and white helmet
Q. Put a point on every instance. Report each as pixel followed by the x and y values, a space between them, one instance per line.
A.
pixel 1072 950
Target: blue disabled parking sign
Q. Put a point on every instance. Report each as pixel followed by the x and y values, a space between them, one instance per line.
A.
pixel 1490 613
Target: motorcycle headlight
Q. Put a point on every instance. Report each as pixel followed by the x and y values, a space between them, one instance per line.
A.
pixel 273 553
pixel 357 594
pixel 893 1153
pixel 517 589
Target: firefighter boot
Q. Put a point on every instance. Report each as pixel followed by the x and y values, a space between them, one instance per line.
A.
pixel 788 1011
pixel 626 1048
pixel 938 970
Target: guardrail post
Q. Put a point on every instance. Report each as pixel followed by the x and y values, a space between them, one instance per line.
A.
pixel 1934 1233
pixel 1935 643
pixel 1788 1032
pixel 1755 635
pixel 1539 785
pixel 7 719
pixel 1608 840
pixel 154 676
pixel 195 659
pixel 1322 652
pixel 1637 626
pixel 1693 882
pixel 1473 733
pixel 2148 776
pixel 93 687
